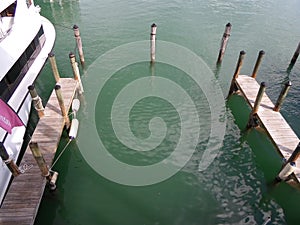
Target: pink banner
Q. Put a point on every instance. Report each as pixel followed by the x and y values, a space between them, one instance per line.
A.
pixel 8 118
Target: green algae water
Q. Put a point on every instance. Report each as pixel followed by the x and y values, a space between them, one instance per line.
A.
pixel 236 188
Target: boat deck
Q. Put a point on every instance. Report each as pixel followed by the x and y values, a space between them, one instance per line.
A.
pixel 274 123
pixel 22 201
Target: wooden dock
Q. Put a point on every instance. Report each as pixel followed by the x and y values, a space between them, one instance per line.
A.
pixel 282 135
pixel 22 201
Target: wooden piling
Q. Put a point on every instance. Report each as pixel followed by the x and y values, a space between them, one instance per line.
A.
pixel 295 56
pixel 282 96
pixel 237 71
pixel 295 155
pixel 40 160
pixel 224 42
pixel 252 118
pixel 152 42
pixel 54 66
pixel 79 43
pixel 9 161
pixel 37 101
pixel 75 70
pixel 257 64
pixel 62 105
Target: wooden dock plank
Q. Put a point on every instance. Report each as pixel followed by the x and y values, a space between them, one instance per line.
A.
pixel 274 123
pixel 22 201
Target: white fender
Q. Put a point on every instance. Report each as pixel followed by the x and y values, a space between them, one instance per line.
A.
pixel 75 105
pixel 73 129
pixel 287 170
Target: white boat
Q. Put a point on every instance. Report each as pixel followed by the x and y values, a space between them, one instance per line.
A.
pixel 26 39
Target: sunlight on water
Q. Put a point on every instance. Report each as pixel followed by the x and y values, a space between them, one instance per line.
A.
pixel 236 188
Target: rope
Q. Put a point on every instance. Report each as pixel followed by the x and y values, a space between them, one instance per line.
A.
pixel 58 157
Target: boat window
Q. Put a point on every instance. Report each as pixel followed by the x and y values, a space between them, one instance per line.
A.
pixel 9 11
pixel 14 76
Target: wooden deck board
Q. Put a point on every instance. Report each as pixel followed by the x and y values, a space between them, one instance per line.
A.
pixel 22 201
pixel 275 125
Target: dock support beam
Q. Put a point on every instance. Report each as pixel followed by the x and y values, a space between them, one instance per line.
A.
pixel 253 118
pixel 282 96
pixel 224 42
pixel 9 161
pixel 62 105
pixel 237 72
pixel 257 64
pixel 37 101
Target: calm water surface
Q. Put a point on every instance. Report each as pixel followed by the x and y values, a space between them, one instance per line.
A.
pixel 236 188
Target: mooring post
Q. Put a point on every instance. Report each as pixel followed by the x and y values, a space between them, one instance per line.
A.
pixel 257 64
pixel 75 70
pixel 54 66
pixel 295 155
pixel 9 161
pixel 295 56
pixel 282 96
pixel 152 42
pixel 37 101
pixel 224 42
pixel 79 43
pixel 40 160
pixel 286 171
pixel 252 118
pixel 237 71
pixel 62 105
pixel 290 165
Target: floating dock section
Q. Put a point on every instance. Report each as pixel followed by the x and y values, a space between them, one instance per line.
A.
pixel 267 115
pixel 22 201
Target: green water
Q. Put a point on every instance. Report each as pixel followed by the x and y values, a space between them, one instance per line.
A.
pixel 237 187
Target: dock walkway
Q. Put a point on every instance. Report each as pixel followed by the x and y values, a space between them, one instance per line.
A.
pixel 22 201
pixel 275 125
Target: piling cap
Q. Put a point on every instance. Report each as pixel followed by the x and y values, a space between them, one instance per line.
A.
pixel 261 52
pixel 263 84
pixel 51 54
pixel 71 55
pixel 153 25
pixel 242 52
pixel 75 27
pixel 289 83
pixel 57 86
pixel 31 87
pixel 228 25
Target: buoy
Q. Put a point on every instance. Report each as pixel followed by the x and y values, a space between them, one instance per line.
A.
pixel 287 170
pixel 73 129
